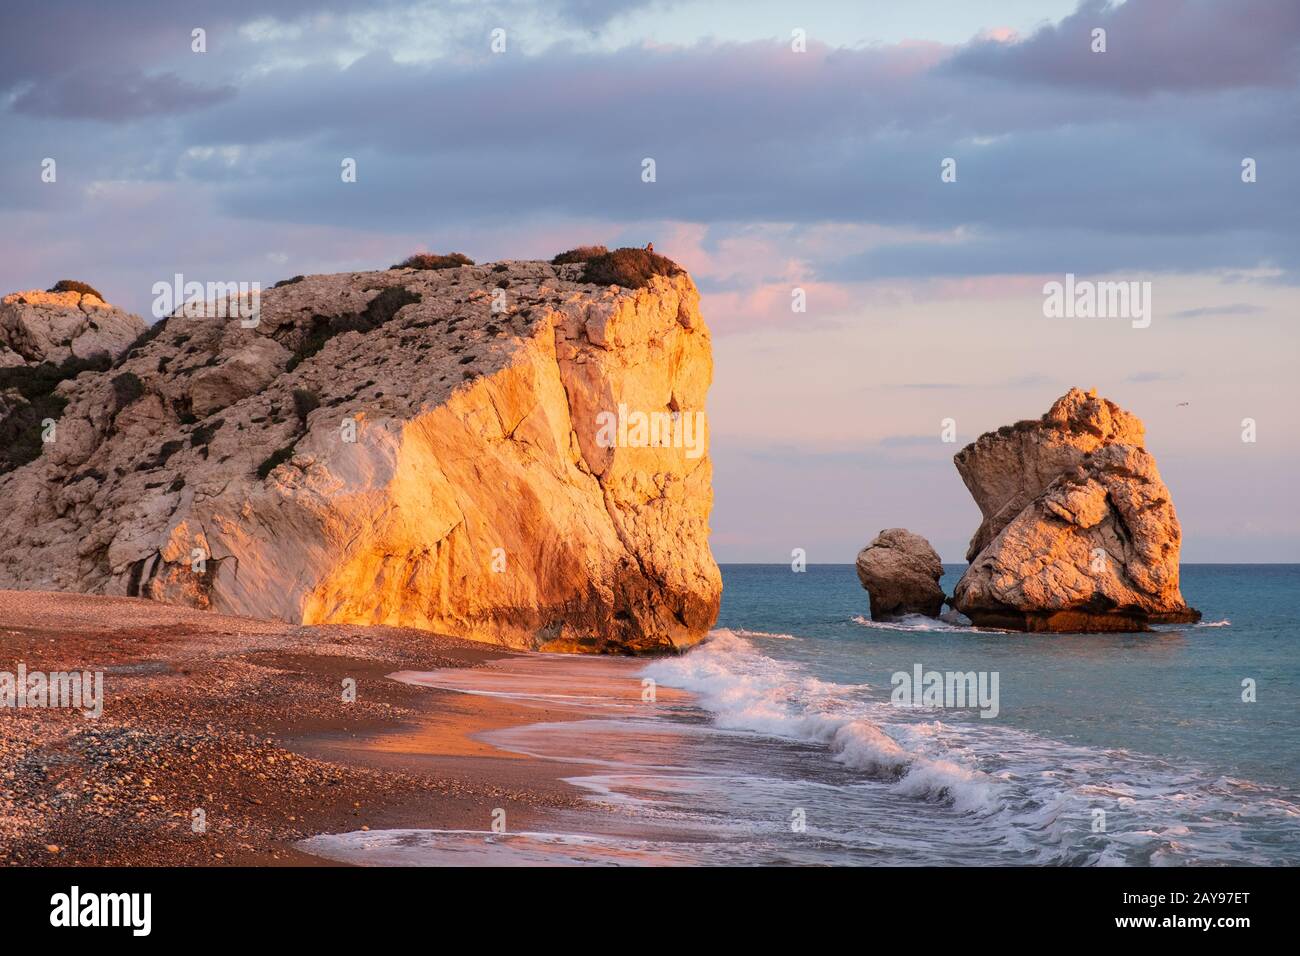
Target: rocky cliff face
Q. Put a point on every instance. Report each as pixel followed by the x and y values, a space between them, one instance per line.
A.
pixel 1079 532
pixel 384 447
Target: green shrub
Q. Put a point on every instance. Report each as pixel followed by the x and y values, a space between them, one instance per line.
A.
pixel 165 452
pixel 144 338
pixel 304 403
pixel 284 282
pixel 203 434
pixel 382 308
pixel 630 268
pixel 426 260
pixel 72 285
pixel 33 381
pixel 127 388
pixel 20 428
pixel 580 254
pixel 275 460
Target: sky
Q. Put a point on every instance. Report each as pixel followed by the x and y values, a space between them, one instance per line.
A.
pixel 796 146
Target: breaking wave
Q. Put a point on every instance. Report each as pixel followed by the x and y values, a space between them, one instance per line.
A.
pixel 1010 788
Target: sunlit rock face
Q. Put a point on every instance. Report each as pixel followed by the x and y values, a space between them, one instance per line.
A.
pixel 1079 531
pixel 388 447
pixel 38 326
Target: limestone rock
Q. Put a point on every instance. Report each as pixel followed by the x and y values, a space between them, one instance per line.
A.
pixel 1079 531
pixel 40 326
pixel 245 372
pixel 901 572
pixel 386 447
pixel 1007 469
pixel 46 338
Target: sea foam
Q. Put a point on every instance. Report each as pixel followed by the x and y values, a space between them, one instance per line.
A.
pixel 746 690
pixel 1012 788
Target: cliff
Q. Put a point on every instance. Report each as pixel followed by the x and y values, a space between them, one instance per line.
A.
pixel 408 447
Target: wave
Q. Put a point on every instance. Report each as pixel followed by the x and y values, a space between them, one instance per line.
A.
pixel 741 632
pixel 914 622
pixel 1010 788
pixel 749 691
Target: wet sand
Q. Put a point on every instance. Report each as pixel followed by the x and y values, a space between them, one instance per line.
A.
pixel 245 721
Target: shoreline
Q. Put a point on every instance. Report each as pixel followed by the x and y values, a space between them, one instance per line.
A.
pixel 244 720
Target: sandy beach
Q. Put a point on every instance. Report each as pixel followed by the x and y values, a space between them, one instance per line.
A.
pixel 245 720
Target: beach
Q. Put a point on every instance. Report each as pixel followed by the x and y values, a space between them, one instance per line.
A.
pixel 243 720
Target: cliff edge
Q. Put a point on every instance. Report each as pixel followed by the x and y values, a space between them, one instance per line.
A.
pixel 503 452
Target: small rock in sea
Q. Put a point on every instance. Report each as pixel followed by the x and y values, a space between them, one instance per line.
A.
pixel 901 572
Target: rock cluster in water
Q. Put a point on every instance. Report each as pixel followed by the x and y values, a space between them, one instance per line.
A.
pixel 1078 533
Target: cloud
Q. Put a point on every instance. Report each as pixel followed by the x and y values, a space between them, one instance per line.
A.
pixel 116 97
pixel 1052 177
pixel 43 41
pixel 1151 46
pixel 1236 308
pixel 593 14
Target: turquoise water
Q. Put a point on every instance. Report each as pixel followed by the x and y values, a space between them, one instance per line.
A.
pixel 1175 693
pixel 1132 749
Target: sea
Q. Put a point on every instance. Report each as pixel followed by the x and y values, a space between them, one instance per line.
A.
pixel 800 733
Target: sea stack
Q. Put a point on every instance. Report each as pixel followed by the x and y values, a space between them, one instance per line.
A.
pixel 1079 531
pixel 901 573
pixel 418 447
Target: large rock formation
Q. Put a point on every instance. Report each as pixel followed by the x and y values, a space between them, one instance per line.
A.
pixel 1007 469
pixel 1079 532
pixel 405 447
pixel 52 327
pixel 901 574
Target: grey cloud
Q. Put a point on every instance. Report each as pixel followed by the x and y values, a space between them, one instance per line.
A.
pixel 597 13
pixel 498 141
pixel 1236 308
pixel 1152 46
pixel 1048 251
pixel 115 97
pixel 1051 179
pixel 52 51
